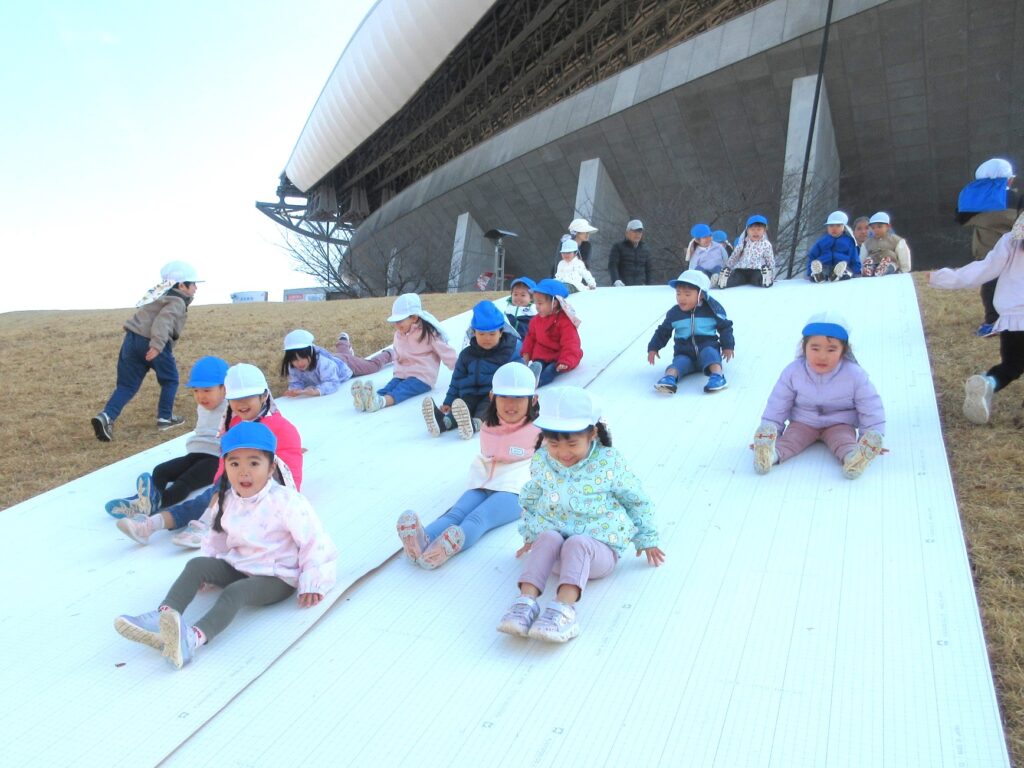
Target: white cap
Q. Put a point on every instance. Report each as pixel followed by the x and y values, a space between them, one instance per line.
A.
pixel 244 380
pixel 406 305
pixel 693 277
pixel 879 218
pixel 569 246
pixel 567 409
pixel 837 217
pixel 581 225
pixel 514 380
pixel 179 272
pixel 996 168
pixel 298 339
pixel 635 225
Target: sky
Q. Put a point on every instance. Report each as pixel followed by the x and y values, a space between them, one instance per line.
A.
pixel 133 134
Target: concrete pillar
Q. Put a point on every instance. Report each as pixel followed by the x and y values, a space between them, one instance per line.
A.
pixel 598 201
pixel 821 192
pixel 472 254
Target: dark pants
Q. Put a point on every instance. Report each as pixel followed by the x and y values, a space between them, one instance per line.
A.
pixel 184 474
pixel 1011 350
pixel 239 590
pixel 988 292
pixel 132 368
pixel 747 276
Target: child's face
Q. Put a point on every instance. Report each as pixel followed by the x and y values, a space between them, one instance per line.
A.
pixel 248 471
pixel 835 229
pixel 408 323
pixel 545 304
pixel 823 353
pixel 512 410
pixel 687 297
pixel 568 450
pixel 521 296
pixel 879 230
pixel 568 255
pixel 860 231
pixel 487 339
pixel 301 363
pixel 755 231
pixel 247 408
pixel 208 397
pixel 704 242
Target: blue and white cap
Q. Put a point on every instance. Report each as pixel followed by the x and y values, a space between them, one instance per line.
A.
pixel 248 434
pixel 829 323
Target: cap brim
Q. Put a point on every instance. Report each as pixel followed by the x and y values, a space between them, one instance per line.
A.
pixel 515 392
pixel 555 424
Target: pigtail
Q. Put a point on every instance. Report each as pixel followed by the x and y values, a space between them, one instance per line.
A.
pixel 604 434
pixel 227 419
pixel 222 488
pixel 426 329
pixel 286 362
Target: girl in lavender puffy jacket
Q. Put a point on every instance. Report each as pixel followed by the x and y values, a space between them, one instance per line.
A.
pixel 824 395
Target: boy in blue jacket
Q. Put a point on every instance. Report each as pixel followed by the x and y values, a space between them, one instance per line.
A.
pixel 469 392
pixel 836 256
pixel 703 334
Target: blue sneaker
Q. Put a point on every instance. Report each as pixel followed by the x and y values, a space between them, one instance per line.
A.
pixel 985 329
pixel 716 382
pixel 179 639
pixel 666 384
pixel 121 507
pixel 149 496
pixel 144 628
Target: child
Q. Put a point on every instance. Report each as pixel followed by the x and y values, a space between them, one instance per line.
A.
pixel 362 366
pixel 753 259
pixel 172 481
pixel 885 252
pixel 1005 262
pixel 508 440
pixel 825 395
pixel 721 237
pixel 248 400
pixel 572 271
pixel 311 370
pixel 266 543
pixel 581 509
pixel 702 331
pixel 421 345
pixel 861 228
pixel 519 309
pixel 835 255
pixel 148 343
pixel 704 253
pixel 467 400
pixel 552 345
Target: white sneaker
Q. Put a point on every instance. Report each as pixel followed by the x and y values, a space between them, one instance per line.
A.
pixel 764 447
pixel 410 531
pixel 520 615
pixel 839 271
pixel 869 447
pixel 978 392
pixel 358 399
pixel 432 416
pixel 463 418
pixel 191 536
pixel 557 624
pixel 816 268
pixel 135 528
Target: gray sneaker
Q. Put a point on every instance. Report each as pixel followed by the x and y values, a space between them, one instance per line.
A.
pixel 103 427
pixel 171 423
pixel 520 615
pixel 557 625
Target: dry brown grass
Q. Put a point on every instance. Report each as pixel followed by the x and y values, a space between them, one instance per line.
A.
pixel 58 370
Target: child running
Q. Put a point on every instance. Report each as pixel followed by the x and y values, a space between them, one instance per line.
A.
pixel 149 337
pixel 468 398
pixel 519 309
pixel 704 253
pixel 581 510
pixel 266 543
pixel 173 481
pixel 753 259
pixel 552 345
pixel 824 395
pixel 421 345
pixel 1004 263
pixel 835 256
pixel 571 269
pixel 508 440
pixel 248 399
pixel 361 366
pixel 311 370
pixel 703 335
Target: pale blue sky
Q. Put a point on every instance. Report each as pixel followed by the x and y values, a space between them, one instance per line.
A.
pixel 137 133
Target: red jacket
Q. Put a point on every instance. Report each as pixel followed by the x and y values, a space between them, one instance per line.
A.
pixel 289 444
pixel 553 339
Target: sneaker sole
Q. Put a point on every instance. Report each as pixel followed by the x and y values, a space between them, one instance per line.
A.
pixel 430 418
pixel 709 390
pixel 144 491
pixel 170 633
pixel 554 637
pixel 463 418
pixel 119 508
pixel 764 453
pixel 443 548
pixel 187 542
pixel 358 401
pixel 514 629
pixel 137 634
pixel 101 431
pixel 866 452
pixel 976 408
pixel 409 529
pixel 164 427
pixel 665 388
pixel 125 527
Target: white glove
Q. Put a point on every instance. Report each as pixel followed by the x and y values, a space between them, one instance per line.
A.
pixel 619 284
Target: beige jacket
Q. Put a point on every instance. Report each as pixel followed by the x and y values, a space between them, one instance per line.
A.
pixel 160 321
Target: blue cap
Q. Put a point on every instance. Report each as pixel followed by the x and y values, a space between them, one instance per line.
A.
pixel 552 288
pixel 828 323
pixel 757 218
pixel 487 317
pixel 720 235
pixel 248 434
pixel 532 286
pixel 697 231
pixel 207 372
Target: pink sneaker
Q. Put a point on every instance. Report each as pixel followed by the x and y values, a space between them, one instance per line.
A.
pixel 411 532
pixel 445 546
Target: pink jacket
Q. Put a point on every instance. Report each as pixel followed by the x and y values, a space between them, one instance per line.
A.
pixel 421 359
pixel 274 533
pixel 503 463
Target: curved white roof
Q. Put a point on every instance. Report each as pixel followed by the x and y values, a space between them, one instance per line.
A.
pixel 396 49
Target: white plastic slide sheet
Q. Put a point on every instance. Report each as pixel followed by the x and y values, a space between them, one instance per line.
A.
pixel 801 619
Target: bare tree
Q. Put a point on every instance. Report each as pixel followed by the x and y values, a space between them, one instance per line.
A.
pixel 326 262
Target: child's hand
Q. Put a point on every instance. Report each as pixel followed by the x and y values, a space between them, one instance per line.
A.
pixel 655 556
pixel 524 549
pixel 311 392
pixel 651 355
pixel 289 393
pixel 309 599
pixel 561 367
pixel 151 354
pixel 727 354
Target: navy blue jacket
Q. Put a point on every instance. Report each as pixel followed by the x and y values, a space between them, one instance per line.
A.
pixel 830 250
pixel 475 367
pixel 706 325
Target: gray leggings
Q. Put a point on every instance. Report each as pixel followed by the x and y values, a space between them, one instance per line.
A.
pixel 239 590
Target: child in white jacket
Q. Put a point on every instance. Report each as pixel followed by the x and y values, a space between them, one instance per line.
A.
pixel 572 271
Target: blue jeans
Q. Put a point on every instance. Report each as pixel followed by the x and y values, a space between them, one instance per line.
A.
pixel 191 509
pixel 547 373
pixel 403 389
pixel 685 364
pixel 477 511
pixel 132 368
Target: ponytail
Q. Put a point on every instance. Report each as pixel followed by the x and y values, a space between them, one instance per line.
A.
pixel 222 488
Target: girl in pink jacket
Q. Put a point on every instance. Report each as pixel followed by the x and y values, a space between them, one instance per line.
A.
pixel 508 440
pixel 266 543
pixel 420 347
